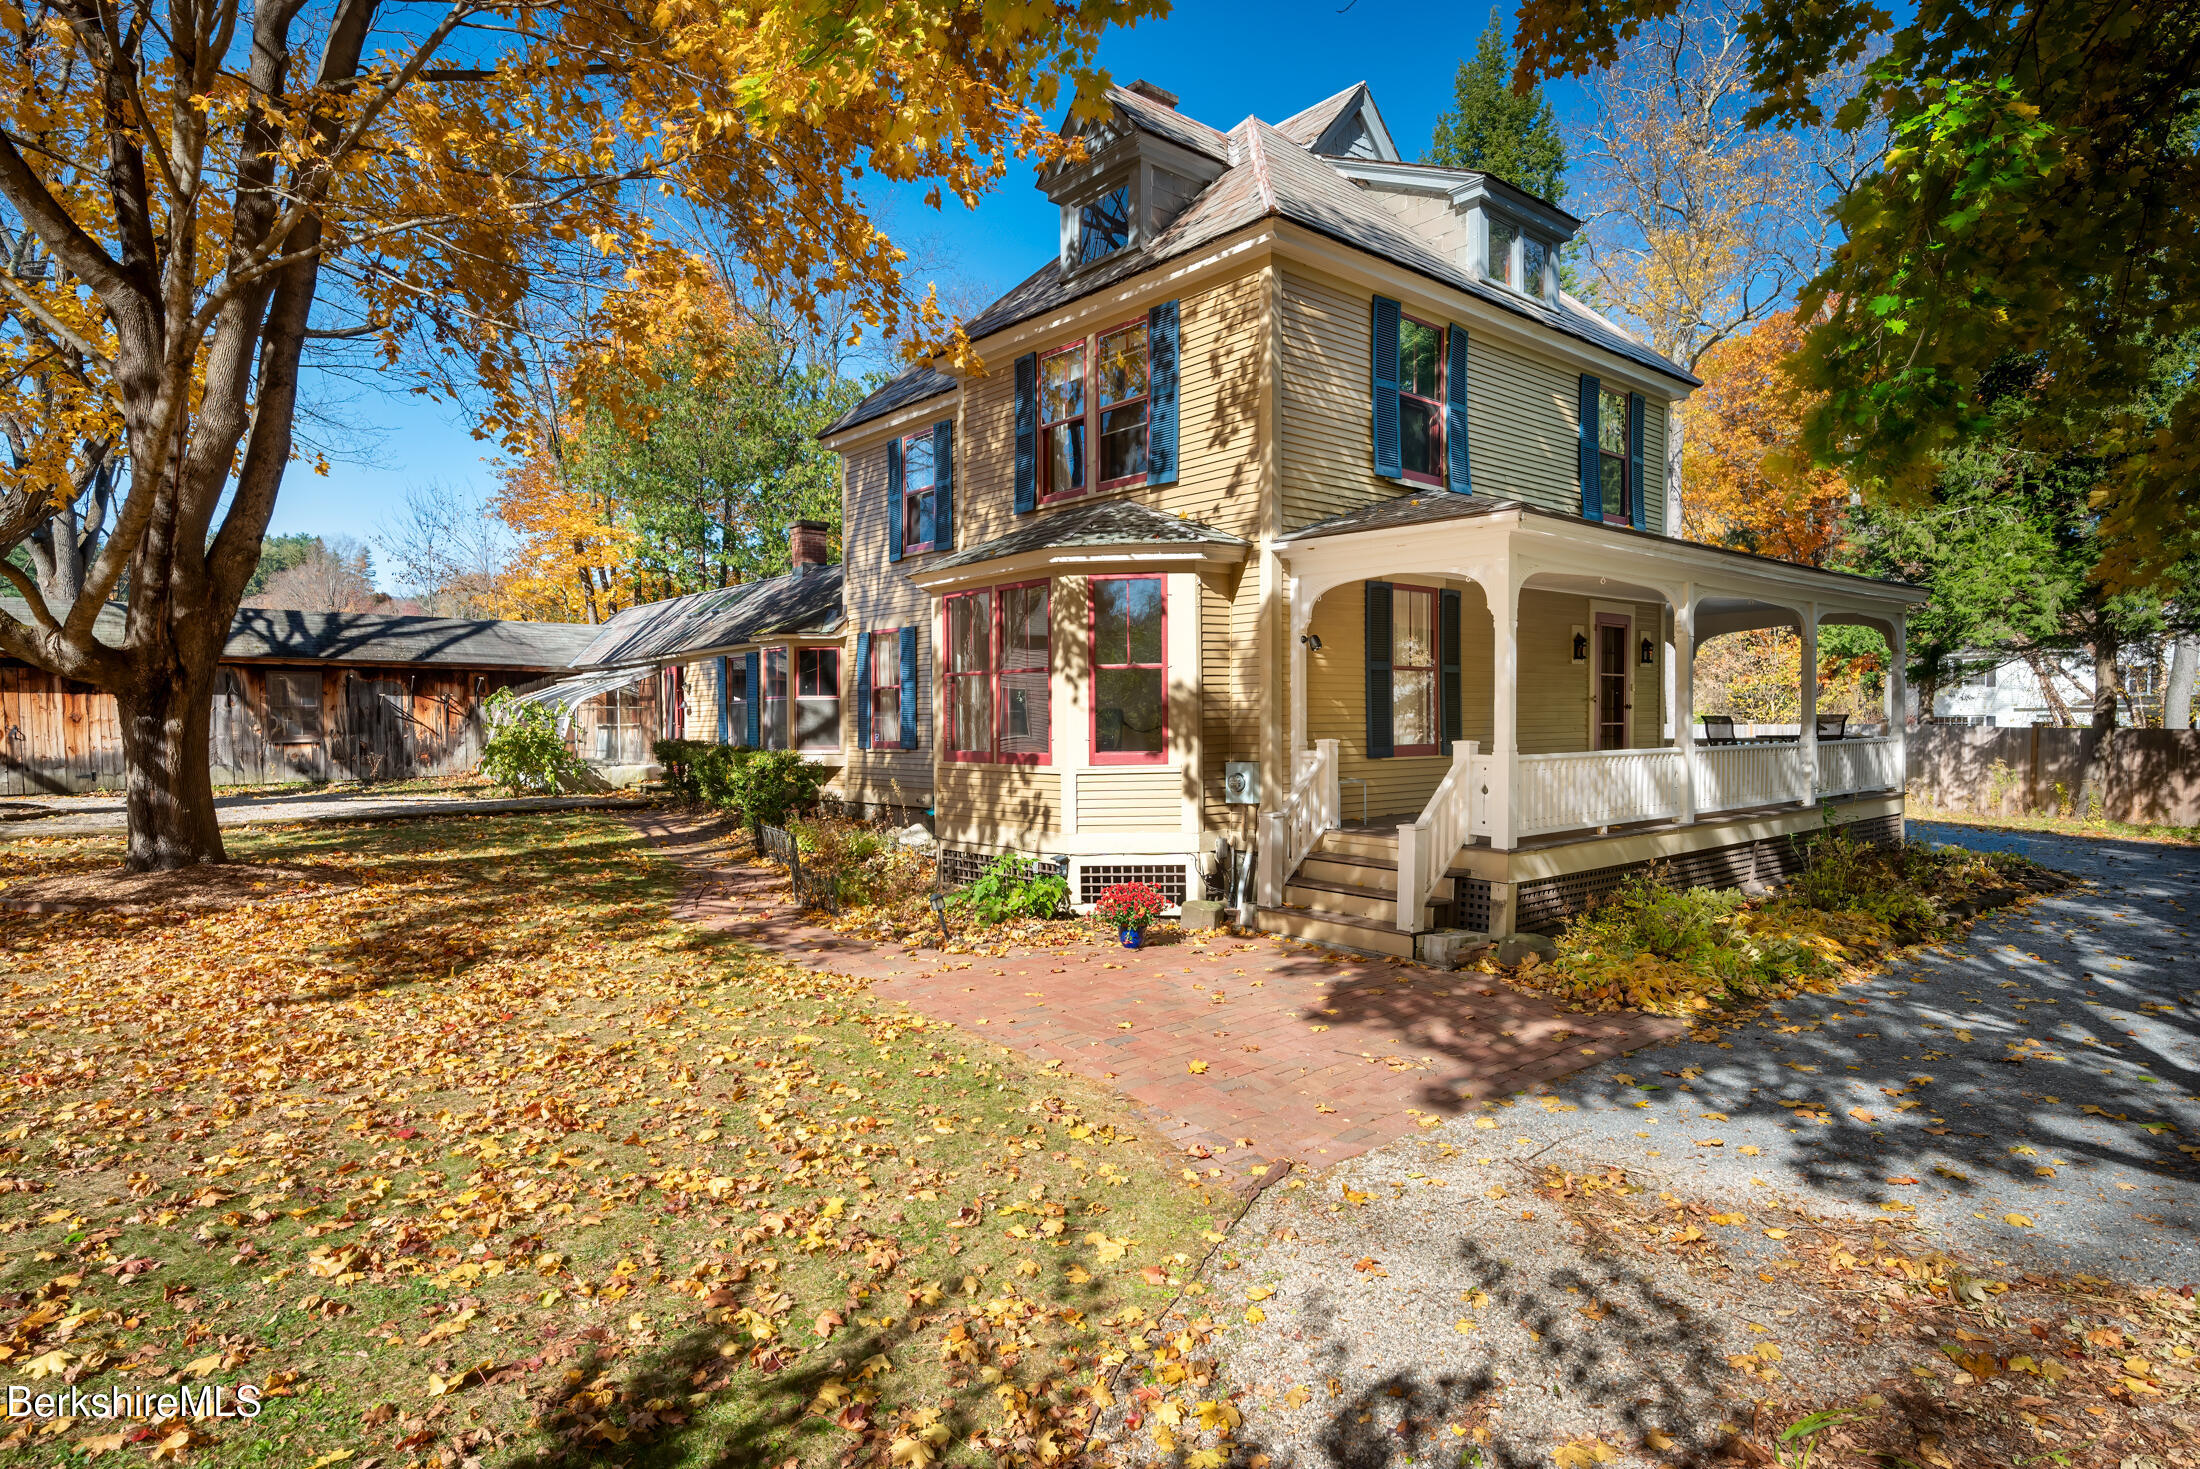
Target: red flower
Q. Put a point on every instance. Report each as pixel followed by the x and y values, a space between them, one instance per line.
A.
pixel 1130 904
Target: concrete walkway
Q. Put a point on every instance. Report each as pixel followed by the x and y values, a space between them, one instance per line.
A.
pixel 1246 1051
pixel 95 815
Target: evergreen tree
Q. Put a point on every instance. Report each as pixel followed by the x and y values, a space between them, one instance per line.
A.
pixel 1493 129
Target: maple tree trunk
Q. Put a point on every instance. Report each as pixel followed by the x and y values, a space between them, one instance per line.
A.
pixel 2106 685
pixel 168 783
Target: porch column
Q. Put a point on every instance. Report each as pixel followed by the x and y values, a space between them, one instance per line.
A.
pixel 1898 696
pixel 1807 738
pixel 1684 695
pixel 1504 587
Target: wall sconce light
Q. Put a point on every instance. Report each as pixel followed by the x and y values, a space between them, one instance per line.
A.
pixel 1312 640
pixel 1649 653
pixel 1581 646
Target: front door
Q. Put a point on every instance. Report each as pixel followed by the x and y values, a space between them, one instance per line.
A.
pixel 1611 685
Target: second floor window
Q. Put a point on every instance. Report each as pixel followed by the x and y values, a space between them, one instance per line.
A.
pixel 1421 400
pixel 1104 226
pixel 817 699
pixel 918 478
pixel 1612 485
pixel 1062 422
pixel 1123 404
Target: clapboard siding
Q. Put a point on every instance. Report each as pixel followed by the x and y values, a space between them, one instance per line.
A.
pixel 879 598
pixel 1130 800
pixel 1229 661
pixel 1009 806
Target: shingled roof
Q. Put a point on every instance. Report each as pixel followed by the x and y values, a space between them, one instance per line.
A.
pixel 1093 524
pixel 278 634
pixel 805 603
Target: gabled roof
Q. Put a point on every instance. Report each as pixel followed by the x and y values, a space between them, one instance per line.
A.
pixel 804 603
pixel 1149 114
pixel 912 384
pixel 278 634
pixel 1323 128
pixel 1096 524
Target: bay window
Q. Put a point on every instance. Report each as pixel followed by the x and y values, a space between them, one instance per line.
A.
pixel 999 660
pixel 817 699
pixel 970 675
pixel 1616 493
pixel 1413 670
pixel 1130 670
pixel 1421 400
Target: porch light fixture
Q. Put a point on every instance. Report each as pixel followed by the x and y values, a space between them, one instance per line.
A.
pixel 1649 653
pixel 1312 640
pixel 1581 646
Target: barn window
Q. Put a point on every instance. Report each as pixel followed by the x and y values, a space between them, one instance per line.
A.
pixel 294 708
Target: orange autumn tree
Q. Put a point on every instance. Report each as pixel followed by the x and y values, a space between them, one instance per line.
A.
pixel 213 190
pixel 1745 484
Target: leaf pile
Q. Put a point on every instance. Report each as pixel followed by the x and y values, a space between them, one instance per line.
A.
pixel 482 1158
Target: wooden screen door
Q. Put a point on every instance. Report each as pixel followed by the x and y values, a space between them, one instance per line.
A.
pixel 1611 683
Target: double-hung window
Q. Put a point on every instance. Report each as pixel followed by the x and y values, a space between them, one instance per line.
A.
pixel 1122 374
pixel 885 690
pixel 817 699
pixel 919 476
pixel 1616 493
pixel 1413 670
pixel 1130 670
pixel 1421 401
pixel 1062 422
pixel 775 699
pixel 998 663
pixel 1503 235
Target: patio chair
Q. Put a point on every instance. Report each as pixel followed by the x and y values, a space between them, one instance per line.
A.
pixel 1718 729
pixel 1833 726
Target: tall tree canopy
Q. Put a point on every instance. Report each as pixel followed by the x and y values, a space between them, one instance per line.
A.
pixel 2035 206
pixel 211 185
pixel 1747 488
pixel 1495 129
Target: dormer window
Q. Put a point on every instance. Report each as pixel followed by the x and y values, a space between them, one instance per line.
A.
pixel 1503 236
pixel 1534 258
pixel 1104 225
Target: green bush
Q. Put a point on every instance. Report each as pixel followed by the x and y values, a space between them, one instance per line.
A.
pixel 525 751
pixel 765 786
pixel 851 857
pixel 1008 889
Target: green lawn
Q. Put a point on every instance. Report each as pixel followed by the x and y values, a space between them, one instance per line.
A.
pixel 472 1152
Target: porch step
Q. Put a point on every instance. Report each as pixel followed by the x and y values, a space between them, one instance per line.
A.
pixel 1338 931
pixel 1346 899
pixel 1369 873
pixel 1340 842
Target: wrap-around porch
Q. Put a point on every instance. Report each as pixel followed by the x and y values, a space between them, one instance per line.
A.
pixel 1547 663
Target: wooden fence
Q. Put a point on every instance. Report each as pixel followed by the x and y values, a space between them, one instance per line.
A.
pixel 2144 776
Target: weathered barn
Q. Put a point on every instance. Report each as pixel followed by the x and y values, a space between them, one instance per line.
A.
pixel 302 696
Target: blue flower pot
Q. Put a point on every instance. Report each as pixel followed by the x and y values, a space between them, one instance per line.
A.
pixel 1134 938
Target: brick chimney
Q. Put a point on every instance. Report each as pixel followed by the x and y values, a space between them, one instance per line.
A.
pixel 806 546
pixel 1148 90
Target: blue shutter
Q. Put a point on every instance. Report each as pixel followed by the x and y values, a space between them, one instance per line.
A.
pixel 725 712
pixel 1637 502
pixel 752 689
pixel 1027 433
pixel 1161 359
pixel 863 691
pixel 1379 712
pixel 908 688
pixel 1447 657
pixel 1592 498
pixel 1389 453
pixel 943 485
pixel 893 499
pixel 1455 411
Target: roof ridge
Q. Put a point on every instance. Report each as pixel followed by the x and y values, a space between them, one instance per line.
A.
pixel 1257 156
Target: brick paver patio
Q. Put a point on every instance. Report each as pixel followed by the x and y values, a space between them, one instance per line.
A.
pixel 1305 1054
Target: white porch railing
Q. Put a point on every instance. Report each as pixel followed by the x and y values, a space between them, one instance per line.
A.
pixel 1310 809
pixel 1848 766
pixel 1732 777
pixel 1597 788
pixel 1427 844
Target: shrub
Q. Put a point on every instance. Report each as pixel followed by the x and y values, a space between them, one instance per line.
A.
pixel 1008 888
pixel 1677 952
pixel 699 770
pixel 846 856
pixel 1130 905
pixel 525 751
pixel 764 786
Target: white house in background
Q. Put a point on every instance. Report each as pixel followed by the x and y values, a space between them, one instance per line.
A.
pixel 2008 695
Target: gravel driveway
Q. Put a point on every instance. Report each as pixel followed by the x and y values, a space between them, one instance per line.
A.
pixel 2030 1095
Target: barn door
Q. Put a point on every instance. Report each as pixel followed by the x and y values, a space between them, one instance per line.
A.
pixel 232 739
pixel 375 716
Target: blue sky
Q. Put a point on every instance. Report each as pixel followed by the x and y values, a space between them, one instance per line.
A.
pixel 1225 61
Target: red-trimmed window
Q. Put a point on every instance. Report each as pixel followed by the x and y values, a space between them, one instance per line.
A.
pixel 817 699
pixel 1421 400
pixel 1130 708
pixel 1023 660
pixel 775 699
pixel 1062 449
pixel 1617 493
pixel 885 690
pixel 969 637
pixel 1121 384
pixel 1413 671
pixel 918 477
